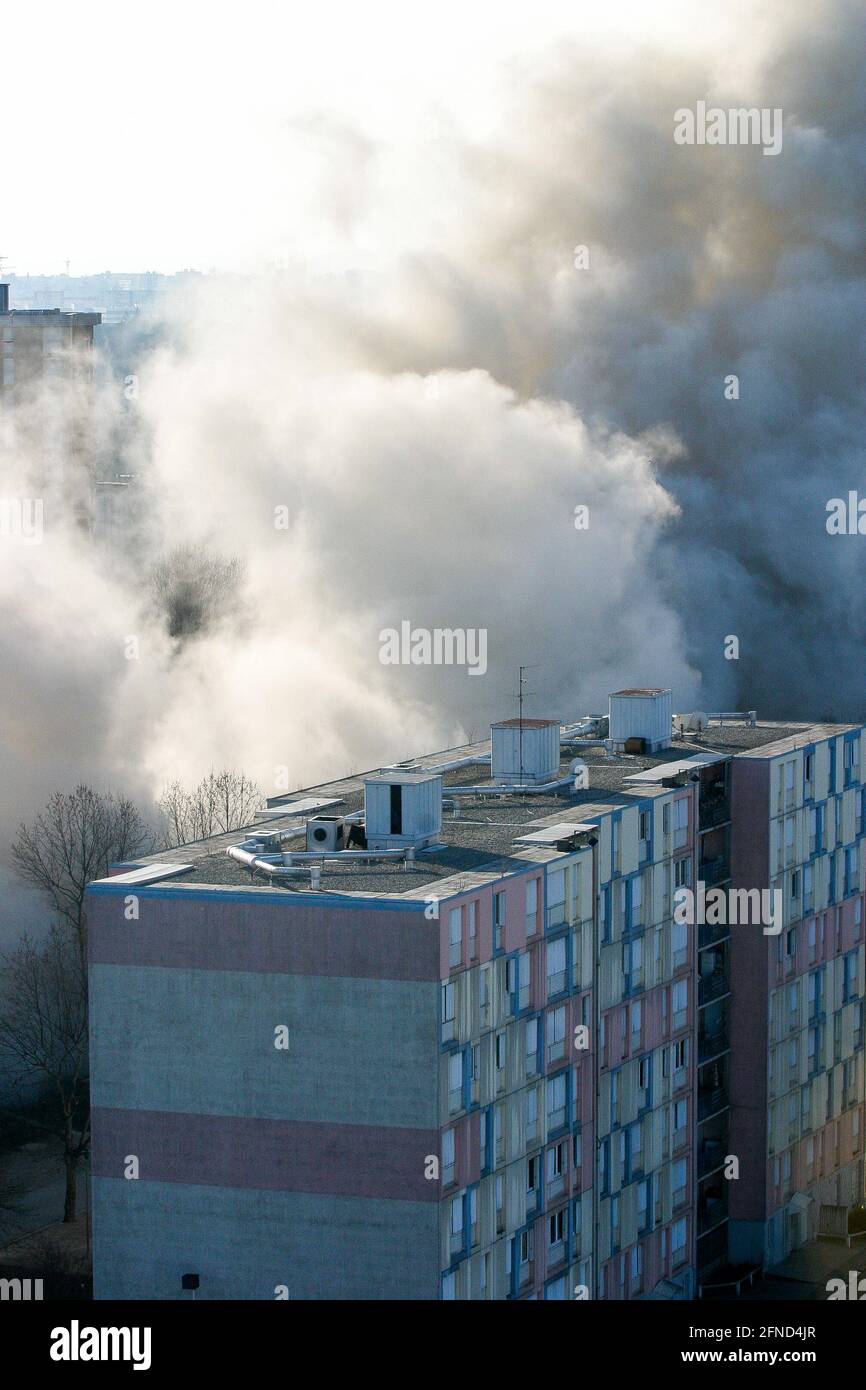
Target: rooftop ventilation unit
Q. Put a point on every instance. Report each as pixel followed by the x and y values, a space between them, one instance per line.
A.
pixel 524 751
pixel 640 715
pixel 692 723
pixel 327 833
pixel 402 809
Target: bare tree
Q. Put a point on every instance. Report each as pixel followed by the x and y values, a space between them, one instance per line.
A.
pixel 191 587
pixel 72 842
pixel 221 801
pixel 43 1035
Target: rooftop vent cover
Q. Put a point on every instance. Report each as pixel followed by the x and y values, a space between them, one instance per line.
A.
pixel 524 750
pixel 641 713
pixel 402 809
pixel 326 833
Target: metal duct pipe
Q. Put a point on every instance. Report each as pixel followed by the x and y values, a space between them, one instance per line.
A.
pixel 511 788
pixel 254 861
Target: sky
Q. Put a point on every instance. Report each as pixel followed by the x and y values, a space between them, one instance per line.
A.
pixel 173 136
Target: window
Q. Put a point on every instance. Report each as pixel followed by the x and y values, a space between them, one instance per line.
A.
pixel 635 1141
pixel 525 1246
pixel 531 906
pixel 556 1227
pixel 455 937
pixel 636 1016
pixel 500 1050
pixel 678 1240
pixel 556 897
pixel 679 1002
pixel 643 1073
pixel 636 902
pixel 681 822
pixel 808 765
pixel 632 963
pixel 456 1216
pixel 449 1031
pixel 681 1052
pixel 556 1101
pixel 642 1205
pixel 678 1183
pixel 789 776
pixel 448 1156
pixel 679 942
pixel 556 1034
pixel 498 920
pixel 532 1044
pixel 556 966
pixel 532 1174
pixel 472 922
pixel 531 1114
pixel 791 942
pixel 555 1162
pixel 455 1081
pixel 682 872
pixel 795 884
pixel 523 980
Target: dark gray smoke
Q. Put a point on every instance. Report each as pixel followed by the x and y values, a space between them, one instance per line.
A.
pixel 406 434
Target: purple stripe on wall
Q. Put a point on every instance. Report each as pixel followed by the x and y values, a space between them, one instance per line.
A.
pixel 289 939
pixel 275 1155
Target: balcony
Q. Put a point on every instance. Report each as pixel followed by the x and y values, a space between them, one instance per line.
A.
pixel 710 934
pixel 712 1033
pixel 713 811
pixel 712 1203
pixel 710 1102
pixel 712 986
pixel 713 871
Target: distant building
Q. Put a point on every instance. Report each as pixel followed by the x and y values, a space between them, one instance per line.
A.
pixel 47 360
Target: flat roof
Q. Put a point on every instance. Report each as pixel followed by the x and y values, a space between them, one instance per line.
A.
pixel 493 833
pixel 527 723
pixel 647 690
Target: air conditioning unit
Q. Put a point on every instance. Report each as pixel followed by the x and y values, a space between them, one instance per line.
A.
pixel 326 833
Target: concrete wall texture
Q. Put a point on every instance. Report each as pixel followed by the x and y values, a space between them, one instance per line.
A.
pixel 260 1166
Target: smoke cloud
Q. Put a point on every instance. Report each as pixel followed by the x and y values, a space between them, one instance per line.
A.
pixel 403 425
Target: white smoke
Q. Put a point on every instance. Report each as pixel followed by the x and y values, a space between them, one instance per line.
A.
pixel 432 399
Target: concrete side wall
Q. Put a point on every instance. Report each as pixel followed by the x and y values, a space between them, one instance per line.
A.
pixel 243 1244
pixel 262 1165
pixel 202 1041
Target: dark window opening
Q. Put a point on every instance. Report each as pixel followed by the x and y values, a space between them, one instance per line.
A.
pixel 396 810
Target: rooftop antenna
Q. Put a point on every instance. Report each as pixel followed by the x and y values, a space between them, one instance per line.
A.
pixel 521 681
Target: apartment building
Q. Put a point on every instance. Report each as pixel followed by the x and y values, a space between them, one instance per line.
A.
pixel 796 1028
pixel 47 363
pixel 435 1032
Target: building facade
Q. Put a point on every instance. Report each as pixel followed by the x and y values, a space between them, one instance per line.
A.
pixel 472 1050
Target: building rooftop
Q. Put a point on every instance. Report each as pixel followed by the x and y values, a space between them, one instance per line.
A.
pixel 479 827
